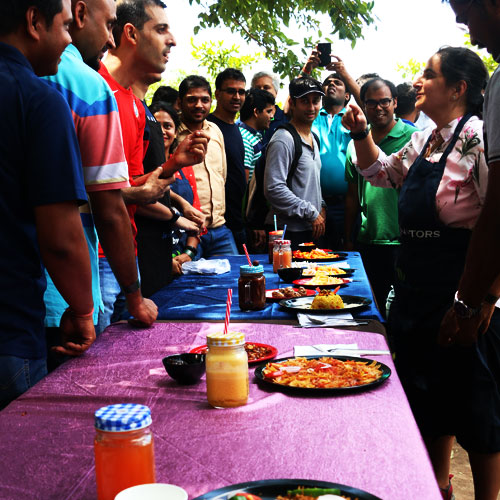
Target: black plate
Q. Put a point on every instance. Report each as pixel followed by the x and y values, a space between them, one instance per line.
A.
pixel 271 488
pixel 341 256
pixel 386 373
pixel 349 271
pixel 352 303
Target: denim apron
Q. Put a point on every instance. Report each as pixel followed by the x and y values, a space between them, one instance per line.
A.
pixel 429 264
pixel 183 189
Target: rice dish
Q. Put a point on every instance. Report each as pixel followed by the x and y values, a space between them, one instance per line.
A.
pixel 326 299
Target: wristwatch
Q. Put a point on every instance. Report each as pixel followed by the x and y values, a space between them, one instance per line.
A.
pixel 175 215
pixel 131 288
pixel 462 310
pixel 358 136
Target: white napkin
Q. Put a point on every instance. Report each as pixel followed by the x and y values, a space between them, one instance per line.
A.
pixel 203 266
pixel 337 350
pixel 324 320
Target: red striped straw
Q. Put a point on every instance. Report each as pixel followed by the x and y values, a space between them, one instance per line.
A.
pixel 228 309
pixel 248 256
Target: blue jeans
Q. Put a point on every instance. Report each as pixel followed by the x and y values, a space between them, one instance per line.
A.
pixel 113 299
pixel 217 242
pixel 17 375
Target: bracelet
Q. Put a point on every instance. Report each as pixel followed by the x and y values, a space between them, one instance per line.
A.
pixel 175 215
pixel 491 299
pixel 80 316
pixel 193 249
pixel 358 136
pixel 131 288
pixel 189 253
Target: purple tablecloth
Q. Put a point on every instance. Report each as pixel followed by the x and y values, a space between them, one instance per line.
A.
pixel 367 440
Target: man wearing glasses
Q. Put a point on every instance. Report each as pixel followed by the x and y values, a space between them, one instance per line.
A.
pixel 230 95
pixel 378 236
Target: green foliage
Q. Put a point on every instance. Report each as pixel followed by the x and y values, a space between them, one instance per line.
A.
pixel 489 62
pixel 214 57
pixel 262 21
pixel 173 82
pixel 413 68
pixel 410 70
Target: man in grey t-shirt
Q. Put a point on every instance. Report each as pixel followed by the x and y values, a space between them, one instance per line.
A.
pixel 300 206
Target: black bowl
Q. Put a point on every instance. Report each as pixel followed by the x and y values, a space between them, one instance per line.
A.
pixel 185 368
pixel 289 274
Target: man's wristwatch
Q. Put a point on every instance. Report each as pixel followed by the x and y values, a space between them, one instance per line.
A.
pixel 462 310
pixel 359 136
pixel 131 288
pixel 175 215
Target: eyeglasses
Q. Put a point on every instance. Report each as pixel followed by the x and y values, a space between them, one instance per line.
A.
pixel 231 91
pixel 384 103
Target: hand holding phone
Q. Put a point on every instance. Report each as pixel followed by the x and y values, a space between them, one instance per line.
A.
pixel 324 50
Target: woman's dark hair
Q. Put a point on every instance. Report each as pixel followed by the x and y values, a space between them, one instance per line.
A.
pixel 165 106
pixel 459 63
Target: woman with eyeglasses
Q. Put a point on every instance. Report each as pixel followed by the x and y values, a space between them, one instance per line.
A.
pixel 453 389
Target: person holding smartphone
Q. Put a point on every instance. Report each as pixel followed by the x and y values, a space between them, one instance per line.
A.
pixel 338 87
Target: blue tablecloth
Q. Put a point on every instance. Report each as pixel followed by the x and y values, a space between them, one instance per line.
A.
pixel 203 297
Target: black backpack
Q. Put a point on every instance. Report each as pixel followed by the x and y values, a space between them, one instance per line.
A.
pixel 255 205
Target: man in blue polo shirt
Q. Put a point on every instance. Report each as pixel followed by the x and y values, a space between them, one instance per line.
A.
pixel 41 187
pixel 334 138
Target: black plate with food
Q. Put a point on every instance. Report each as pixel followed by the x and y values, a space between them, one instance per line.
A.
pixel 271 382
pixel 352 303
pixel 328 257
pixel 270 489
pixel 329 271
pixel 257 352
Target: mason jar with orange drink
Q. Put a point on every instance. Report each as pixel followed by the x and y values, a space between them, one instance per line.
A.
pixel 282 254
pixel 226 370
pixel 123 448
pixel 273 236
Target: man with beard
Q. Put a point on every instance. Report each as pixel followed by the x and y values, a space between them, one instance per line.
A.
pixel 378 236
pixel 334 138
pixel 142 41
pixel 105 171
pixel 195 99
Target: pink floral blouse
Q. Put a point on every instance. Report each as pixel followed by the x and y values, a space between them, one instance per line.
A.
pixel 461 192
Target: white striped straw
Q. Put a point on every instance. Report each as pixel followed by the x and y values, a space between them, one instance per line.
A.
pixel 228 309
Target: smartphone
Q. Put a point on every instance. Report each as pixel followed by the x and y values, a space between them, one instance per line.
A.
pixel 324 50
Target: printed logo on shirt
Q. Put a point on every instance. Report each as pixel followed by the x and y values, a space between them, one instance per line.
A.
pixel 420 233
pixel 136 111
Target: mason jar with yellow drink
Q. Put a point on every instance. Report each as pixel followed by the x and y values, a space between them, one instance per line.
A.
pixel 226 370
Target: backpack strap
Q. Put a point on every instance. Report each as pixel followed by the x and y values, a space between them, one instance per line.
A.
pixel 297 143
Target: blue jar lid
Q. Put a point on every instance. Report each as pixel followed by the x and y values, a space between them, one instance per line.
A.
pixel 251 269
pixel 122 417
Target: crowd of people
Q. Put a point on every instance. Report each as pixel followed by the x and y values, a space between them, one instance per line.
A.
pixel 104 198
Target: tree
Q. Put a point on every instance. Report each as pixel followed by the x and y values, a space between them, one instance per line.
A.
pixel 214 57
pixel 262 21
pixel 413 68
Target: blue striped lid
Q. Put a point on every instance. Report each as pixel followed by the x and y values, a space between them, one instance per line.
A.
pixel 122 417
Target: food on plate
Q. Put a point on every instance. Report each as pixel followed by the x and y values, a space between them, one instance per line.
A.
pixel 317 253
pixel 253 351
pixel 330 270
pixel 314 494
pixel 322 373
pixel 256 351
pixel 327 299
pixel 289 293
pixel 245 496
pixel 308 244
pixel 324 279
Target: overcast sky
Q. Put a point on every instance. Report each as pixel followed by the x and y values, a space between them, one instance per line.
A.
pixel 404 29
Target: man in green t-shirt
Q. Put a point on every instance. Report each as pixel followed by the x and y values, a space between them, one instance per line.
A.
pixel 378 236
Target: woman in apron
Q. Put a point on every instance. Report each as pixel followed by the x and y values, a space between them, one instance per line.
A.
pixel 453 391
